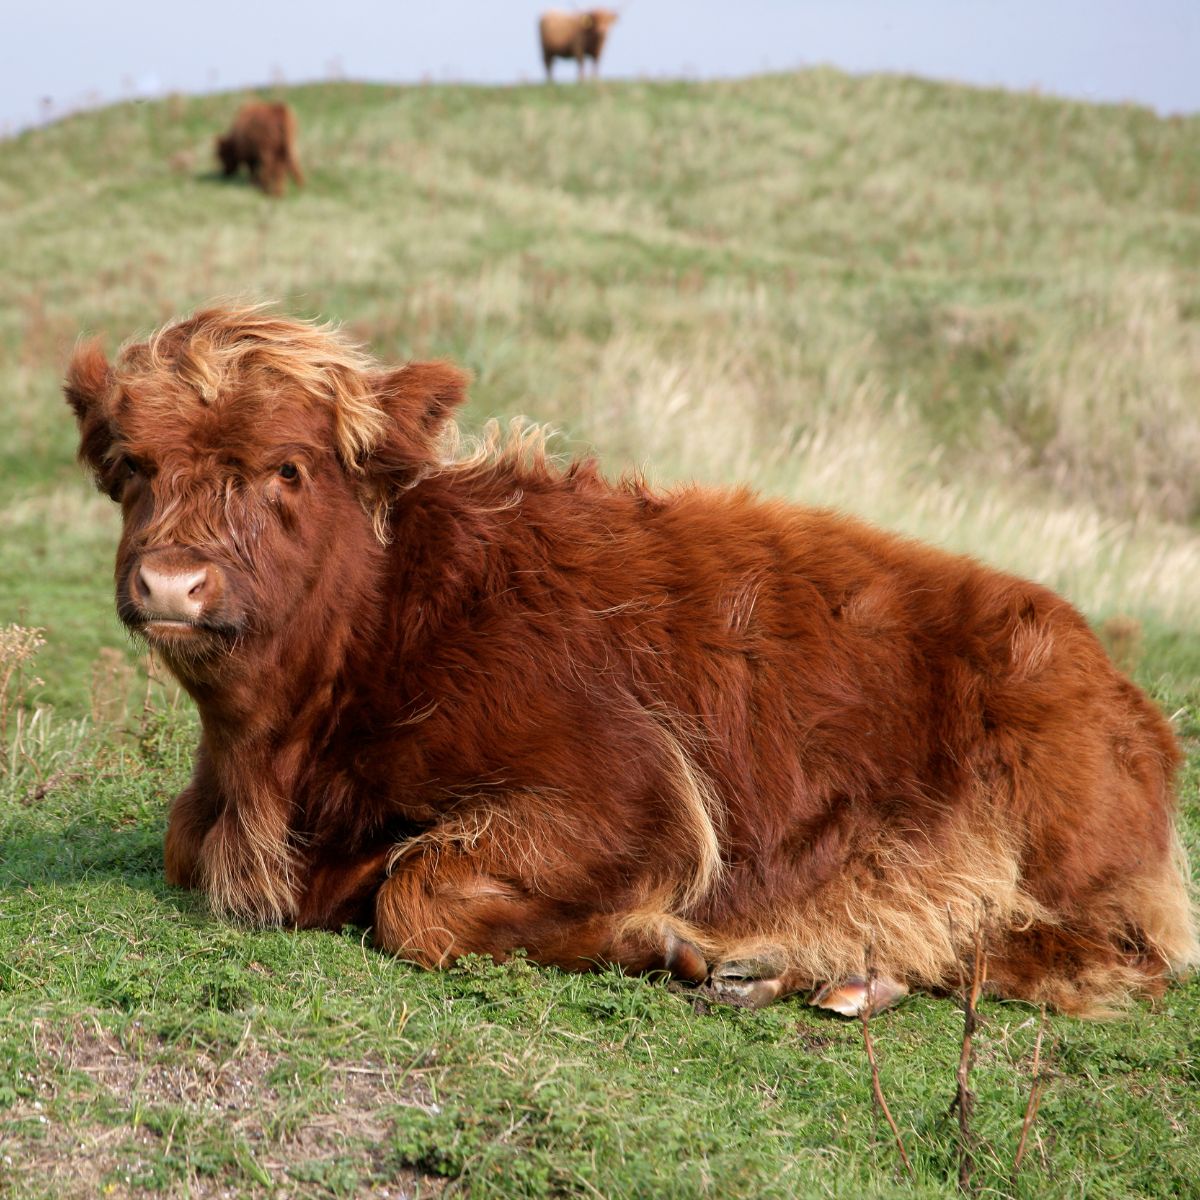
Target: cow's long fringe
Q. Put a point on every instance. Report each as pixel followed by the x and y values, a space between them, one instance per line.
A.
pixel 221 348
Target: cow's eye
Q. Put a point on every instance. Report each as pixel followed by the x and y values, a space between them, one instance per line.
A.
pixel 289 471
pixel 131 466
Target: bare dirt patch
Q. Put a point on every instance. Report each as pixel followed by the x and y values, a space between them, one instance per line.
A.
pixel 163 1099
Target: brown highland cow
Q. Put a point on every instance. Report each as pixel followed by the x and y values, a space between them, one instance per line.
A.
pixel 577 35
pixel 481 701
pixel 263 139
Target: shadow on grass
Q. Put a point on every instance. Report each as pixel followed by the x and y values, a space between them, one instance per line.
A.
pixel 220 179
pixel 81 850
pixel 241 181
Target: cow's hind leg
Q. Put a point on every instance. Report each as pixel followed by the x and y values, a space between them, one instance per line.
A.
pixel 271 174
pixel 1074 971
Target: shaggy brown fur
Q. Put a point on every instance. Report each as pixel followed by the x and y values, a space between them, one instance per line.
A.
pixel 483 701
pixel 262 139
pixel 577 35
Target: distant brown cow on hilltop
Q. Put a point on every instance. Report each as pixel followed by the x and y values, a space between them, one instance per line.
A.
pixel 263 139
pixel 577 35
pixel 483 701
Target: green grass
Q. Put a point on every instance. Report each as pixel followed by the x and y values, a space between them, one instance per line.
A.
pixel 968 314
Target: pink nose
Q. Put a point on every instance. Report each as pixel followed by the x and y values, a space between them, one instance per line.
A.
pixel 172 595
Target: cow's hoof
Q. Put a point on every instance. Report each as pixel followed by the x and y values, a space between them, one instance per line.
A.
pixel 684 961
pixel 854 996
pixel 745 984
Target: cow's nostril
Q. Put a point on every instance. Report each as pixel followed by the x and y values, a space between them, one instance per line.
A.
pixel 172 595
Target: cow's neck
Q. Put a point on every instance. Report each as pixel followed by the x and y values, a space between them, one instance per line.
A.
pixel 342 661
pixel 441 563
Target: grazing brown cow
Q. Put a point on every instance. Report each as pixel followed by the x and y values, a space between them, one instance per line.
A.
pixel 483 701
pixel 263 139
pixel 577 35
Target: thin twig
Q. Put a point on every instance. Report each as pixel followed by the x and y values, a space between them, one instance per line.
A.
pixel 864 1014
pixel 1035 1097
pixel 148 697
pixel 964 1098
pixel 962 980
pixel 42 790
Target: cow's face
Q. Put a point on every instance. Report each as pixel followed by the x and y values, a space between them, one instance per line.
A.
pixel 253 459
pixel 229 512
pixel 603 20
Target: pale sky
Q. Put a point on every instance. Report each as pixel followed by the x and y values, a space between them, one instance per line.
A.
pixel 83 52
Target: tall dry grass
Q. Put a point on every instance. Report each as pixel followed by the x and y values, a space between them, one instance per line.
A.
pixel 851 445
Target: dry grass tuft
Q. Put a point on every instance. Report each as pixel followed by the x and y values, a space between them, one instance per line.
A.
pixel 112 681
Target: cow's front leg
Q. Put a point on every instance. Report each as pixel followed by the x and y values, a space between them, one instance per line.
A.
pixel 193 813
pixel 342 891
pixel 248 867
pixel 443 901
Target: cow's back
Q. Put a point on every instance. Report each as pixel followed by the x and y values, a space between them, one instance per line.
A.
pixel 830 677
pixel 561 33
pixel 849 684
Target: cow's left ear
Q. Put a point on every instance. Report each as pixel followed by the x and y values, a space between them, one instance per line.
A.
pixel 418 400
pixel 86 388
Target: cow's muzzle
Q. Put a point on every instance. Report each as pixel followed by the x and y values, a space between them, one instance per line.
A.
pixel 176 593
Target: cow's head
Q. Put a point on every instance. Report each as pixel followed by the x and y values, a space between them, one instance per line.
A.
pixel 602 20
pixel 254 459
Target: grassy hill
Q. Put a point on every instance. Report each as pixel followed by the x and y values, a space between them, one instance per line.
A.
pixel 968 314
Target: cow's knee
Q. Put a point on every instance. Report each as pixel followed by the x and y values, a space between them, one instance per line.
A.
pixel 436 907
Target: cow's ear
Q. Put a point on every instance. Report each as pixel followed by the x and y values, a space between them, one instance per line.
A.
pixel 86 388
pixel 418 400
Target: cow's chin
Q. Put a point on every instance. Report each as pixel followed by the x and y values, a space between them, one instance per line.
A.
pixel 184 644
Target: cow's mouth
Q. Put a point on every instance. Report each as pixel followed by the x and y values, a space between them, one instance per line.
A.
pixel 169 627
pixel 177 627
pixel 165 633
